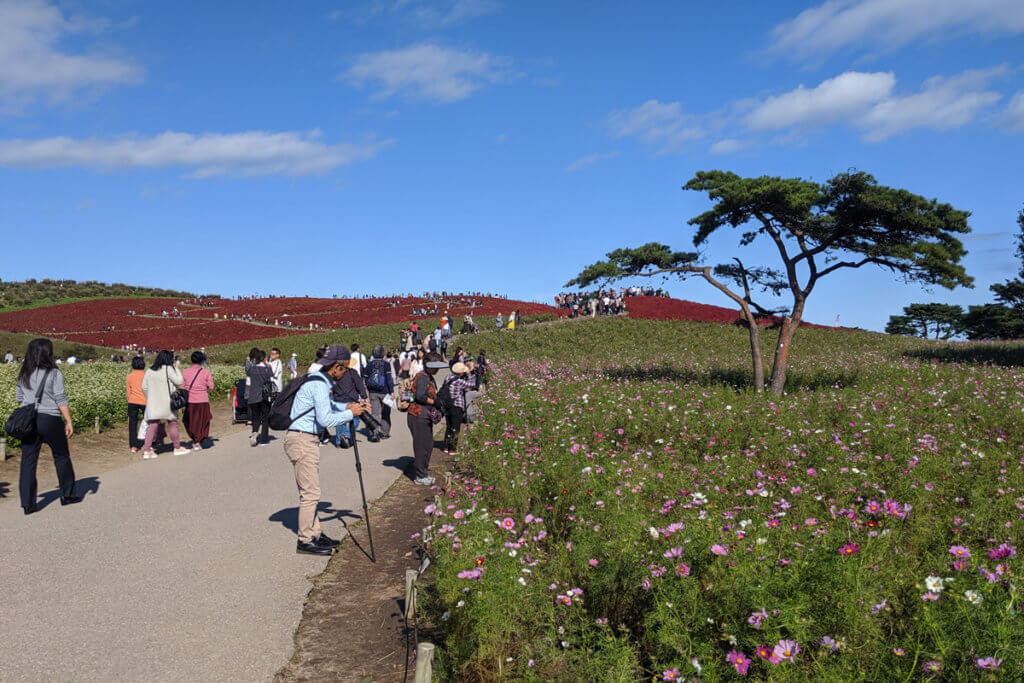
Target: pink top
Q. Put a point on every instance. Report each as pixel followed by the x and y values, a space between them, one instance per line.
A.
pixel 198 392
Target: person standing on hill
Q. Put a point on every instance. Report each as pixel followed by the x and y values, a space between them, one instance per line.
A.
pixel 458 385
pixel 136 401
pixel 157 384
pixel 198 380
pixel 312 413
pixel 259 386
pixel 499 322
pixel 349 388
pixel 39 370
pixel 293 367
pixel 379 383
pixel 360 360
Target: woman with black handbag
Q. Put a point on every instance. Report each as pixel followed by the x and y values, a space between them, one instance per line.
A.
pixel 163 401
pixel 41 385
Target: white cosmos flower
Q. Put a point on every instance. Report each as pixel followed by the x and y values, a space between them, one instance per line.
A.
pixel 934 584
pixel 973 597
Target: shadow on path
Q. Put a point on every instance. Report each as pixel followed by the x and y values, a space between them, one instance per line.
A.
pixel 5 489
pixel 289 517
pixel 83 488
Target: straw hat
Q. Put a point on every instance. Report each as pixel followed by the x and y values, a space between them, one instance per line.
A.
pixel 460 368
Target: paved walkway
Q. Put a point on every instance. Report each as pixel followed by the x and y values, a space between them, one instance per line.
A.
pixel 180 568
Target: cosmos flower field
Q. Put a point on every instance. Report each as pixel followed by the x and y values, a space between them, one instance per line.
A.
pixel 628 510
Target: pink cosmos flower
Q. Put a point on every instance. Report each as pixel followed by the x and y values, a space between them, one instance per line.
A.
pixel 740 661
pixel 756 618
pixel 810 521
pixel 932 667
pixel 429 510
pixel 670 674
pixel 899 651
pixel 848 549
pixel 508 524
pixel 1002 552
pixel 682 570
pixel 959 551
pixel 717 549
pixel 786 649
pixel 592 562
pixel 673 553
pixel 988 663
pixel 764 652
pixel 474 574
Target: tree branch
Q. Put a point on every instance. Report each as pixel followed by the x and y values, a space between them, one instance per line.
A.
pixel 857 264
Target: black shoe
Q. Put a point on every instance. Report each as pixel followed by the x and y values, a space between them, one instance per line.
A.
pixel 313 549
pixel 70 500
pixel 326 541
pixel 30 509
pixel 373 439
pixel 342 442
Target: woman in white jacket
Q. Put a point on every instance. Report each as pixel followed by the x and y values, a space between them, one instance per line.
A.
pixel 157 384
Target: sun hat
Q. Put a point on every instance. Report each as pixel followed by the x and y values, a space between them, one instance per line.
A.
pixel 460 368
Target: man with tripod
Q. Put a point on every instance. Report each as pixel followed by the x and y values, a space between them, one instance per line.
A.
pixel 312 413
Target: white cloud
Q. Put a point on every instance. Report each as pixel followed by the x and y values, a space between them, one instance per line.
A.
pixel 867 101
pixel 728 146
pixel 847 94
pixel 251 153
pixel 33 65
pixel 427 13
pixel 888 24
pixel 1013 115
pixel 659 124
pixel 428 72
pixel 942 103
pixel 589 159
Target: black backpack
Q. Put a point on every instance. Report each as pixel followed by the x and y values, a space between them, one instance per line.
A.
pixel 281 408
pixel 21 425
pixel 444 401
pixel 375 379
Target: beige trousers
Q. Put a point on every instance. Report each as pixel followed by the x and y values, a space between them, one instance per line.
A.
pixel 304 452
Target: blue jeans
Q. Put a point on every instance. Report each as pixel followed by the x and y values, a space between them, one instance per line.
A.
pixel 348 429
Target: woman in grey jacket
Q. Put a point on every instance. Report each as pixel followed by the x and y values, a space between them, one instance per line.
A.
pixel 39 368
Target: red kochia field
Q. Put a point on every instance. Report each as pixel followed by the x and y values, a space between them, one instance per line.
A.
pixel 659 308
pixel 106 322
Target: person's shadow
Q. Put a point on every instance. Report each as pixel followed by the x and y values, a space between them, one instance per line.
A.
pixel 289 517
pixel 83 487
pixel 5 489
pixel 403 463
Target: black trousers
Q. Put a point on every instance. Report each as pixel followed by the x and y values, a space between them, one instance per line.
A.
pixel 260 415
pixel 49 430
pixel 135 413
pixel 422 445
pixel 453 423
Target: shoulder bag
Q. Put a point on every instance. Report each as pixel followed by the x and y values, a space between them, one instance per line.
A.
pixel 21 425
pixel 179 398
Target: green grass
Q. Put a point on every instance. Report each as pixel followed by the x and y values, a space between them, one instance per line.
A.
pixel 17 342
pixel 606 429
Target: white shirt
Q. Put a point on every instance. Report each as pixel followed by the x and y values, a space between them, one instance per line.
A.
pixel 9 358
pixel 72 360
pixel 361 359
pixel 315 367
pixel 275 367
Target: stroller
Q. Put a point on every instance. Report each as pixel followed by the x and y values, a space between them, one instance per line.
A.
pixel 239 406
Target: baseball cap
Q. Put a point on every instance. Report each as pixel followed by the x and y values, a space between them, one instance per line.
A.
pixel 336 354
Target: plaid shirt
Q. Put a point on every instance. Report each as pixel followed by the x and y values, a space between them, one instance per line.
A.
pixel 458 388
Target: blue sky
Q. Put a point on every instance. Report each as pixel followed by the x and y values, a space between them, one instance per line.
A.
pixel 395 145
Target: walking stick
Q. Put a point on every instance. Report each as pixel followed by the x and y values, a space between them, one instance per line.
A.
pixel 362 490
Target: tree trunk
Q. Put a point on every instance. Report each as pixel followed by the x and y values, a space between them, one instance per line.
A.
pixel 755 354
pixel 789 326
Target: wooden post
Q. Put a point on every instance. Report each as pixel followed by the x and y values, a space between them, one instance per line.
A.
pixel 97 424
pixel 410 593
pixel 424 663
pixel 3 449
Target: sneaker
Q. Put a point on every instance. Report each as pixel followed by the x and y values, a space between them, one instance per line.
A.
pixel 196 447
pixel 424 481
pixel 148 455
pixel 180 451
pixel 252 439
pixel 134 449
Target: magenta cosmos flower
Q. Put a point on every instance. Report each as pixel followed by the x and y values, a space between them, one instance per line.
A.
pixel 848 549
pixel 508 523
pixel 959 551
pixel 740 661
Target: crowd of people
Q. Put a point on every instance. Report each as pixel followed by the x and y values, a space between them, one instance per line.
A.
pixel 602 301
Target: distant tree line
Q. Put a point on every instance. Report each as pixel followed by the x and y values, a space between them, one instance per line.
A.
pixel 35 292
pixel 1002 319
